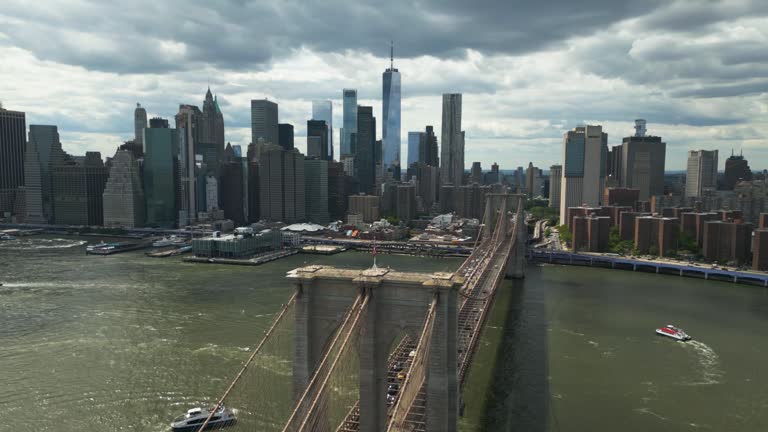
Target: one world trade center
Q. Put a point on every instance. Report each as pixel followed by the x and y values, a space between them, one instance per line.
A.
pixel 391 110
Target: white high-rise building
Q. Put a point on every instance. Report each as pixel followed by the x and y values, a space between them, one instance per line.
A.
pixel 123 196
pixel 139 124
pixel 702 172
pixel 555 183
pixel 585 150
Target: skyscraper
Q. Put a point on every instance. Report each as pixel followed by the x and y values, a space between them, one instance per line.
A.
pixel 139 124
pixel 231 187
pixel 281 185
pixel 323 110
pixel 452 151
pixel 123 195
pixel 555 184
pixel 702 172
pixel 533 181
pixel 476 174
pixel 188 124
pixel 33 188
pixel 213 125
pixel 285 136
pixel 585 151
pixel 318 129
pixel 264 121
pixel 350 121
pixel 50 154
pixel 365 151
pixel 316 186
pixel 391 111
pixel 158 122
pixel 13 128
pixel 736 170
pixel 428 148
pixel 78 188
pixel 414 138
pixel 641 162
pixel 161 176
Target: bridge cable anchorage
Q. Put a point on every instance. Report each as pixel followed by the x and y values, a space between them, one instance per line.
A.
pixel 416 377
pixel 324 369
pixel 239 375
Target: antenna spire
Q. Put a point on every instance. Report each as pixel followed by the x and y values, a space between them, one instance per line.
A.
pixel 391 54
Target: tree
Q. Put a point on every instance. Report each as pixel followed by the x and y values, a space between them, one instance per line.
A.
pixel 688 243
pixel 543 212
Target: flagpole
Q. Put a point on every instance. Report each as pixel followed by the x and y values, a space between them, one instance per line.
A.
pixel 374 250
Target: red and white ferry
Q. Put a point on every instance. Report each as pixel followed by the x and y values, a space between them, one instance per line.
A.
pixel 673 332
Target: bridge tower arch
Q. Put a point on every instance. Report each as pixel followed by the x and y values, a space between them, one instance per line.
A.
pixel 397 302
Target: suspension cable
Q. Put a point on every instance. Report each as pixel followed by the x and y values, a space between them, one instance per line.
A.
pixel 248 362
pixel 322 362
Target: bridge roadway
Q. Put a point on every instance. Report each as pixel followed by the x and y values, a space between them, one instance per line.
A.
pixel 483 270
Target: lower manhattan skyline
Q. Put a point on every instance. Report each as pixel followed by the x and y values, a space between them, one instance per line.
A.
pixel 699 79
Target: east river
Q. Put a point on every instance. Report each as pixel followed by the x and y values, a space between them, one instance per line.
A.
pixel 126 342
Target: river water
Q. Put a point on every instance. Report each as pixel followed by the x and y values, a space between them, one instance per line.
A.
pixel 126 342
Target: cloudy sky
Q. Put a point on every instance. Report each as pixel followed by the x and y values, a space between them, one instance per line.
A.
pixel 697 70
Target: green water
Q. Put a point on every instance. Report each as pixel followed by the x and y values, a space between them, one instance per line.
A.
pixel 574 349
pixel 126 342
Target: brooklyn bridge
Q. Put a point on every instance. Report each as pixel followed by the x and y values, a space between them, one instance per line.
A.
pixel 379 349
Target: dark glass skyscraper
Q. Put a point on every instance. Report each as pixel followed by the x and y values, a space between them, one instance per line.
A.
pixel 285 135
pixel 428 148
pixel 158 122
pixel 350 121
pixel 231 193
pixel 391 111
pixel 13 128
pixel 161 180
pixel 365 156
pixel 317 129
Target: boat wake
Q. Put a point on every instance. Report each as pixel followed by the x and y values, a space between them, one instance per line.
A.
pixel 709 362
pixel 36 244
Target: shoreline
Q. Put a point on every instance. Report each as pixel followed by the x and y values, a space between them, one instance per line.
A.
pixel 635 265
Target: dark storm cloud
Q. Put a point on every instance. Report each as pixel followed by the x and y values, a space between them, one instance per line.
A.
pixel 146 37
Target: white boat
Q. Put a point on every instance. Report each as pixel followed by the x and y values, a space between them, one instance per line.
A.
pixel 194 418
pixel 673 332
pixel 7 237
pixel 169 241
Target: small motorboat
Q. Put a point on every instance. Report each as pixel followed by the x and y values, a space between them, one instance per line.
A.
pixel 673 332
pixel 195 417
pixel 7 237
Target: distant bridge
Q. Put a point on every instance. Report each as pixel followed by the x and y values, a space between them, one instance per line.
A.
pixel 379 349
